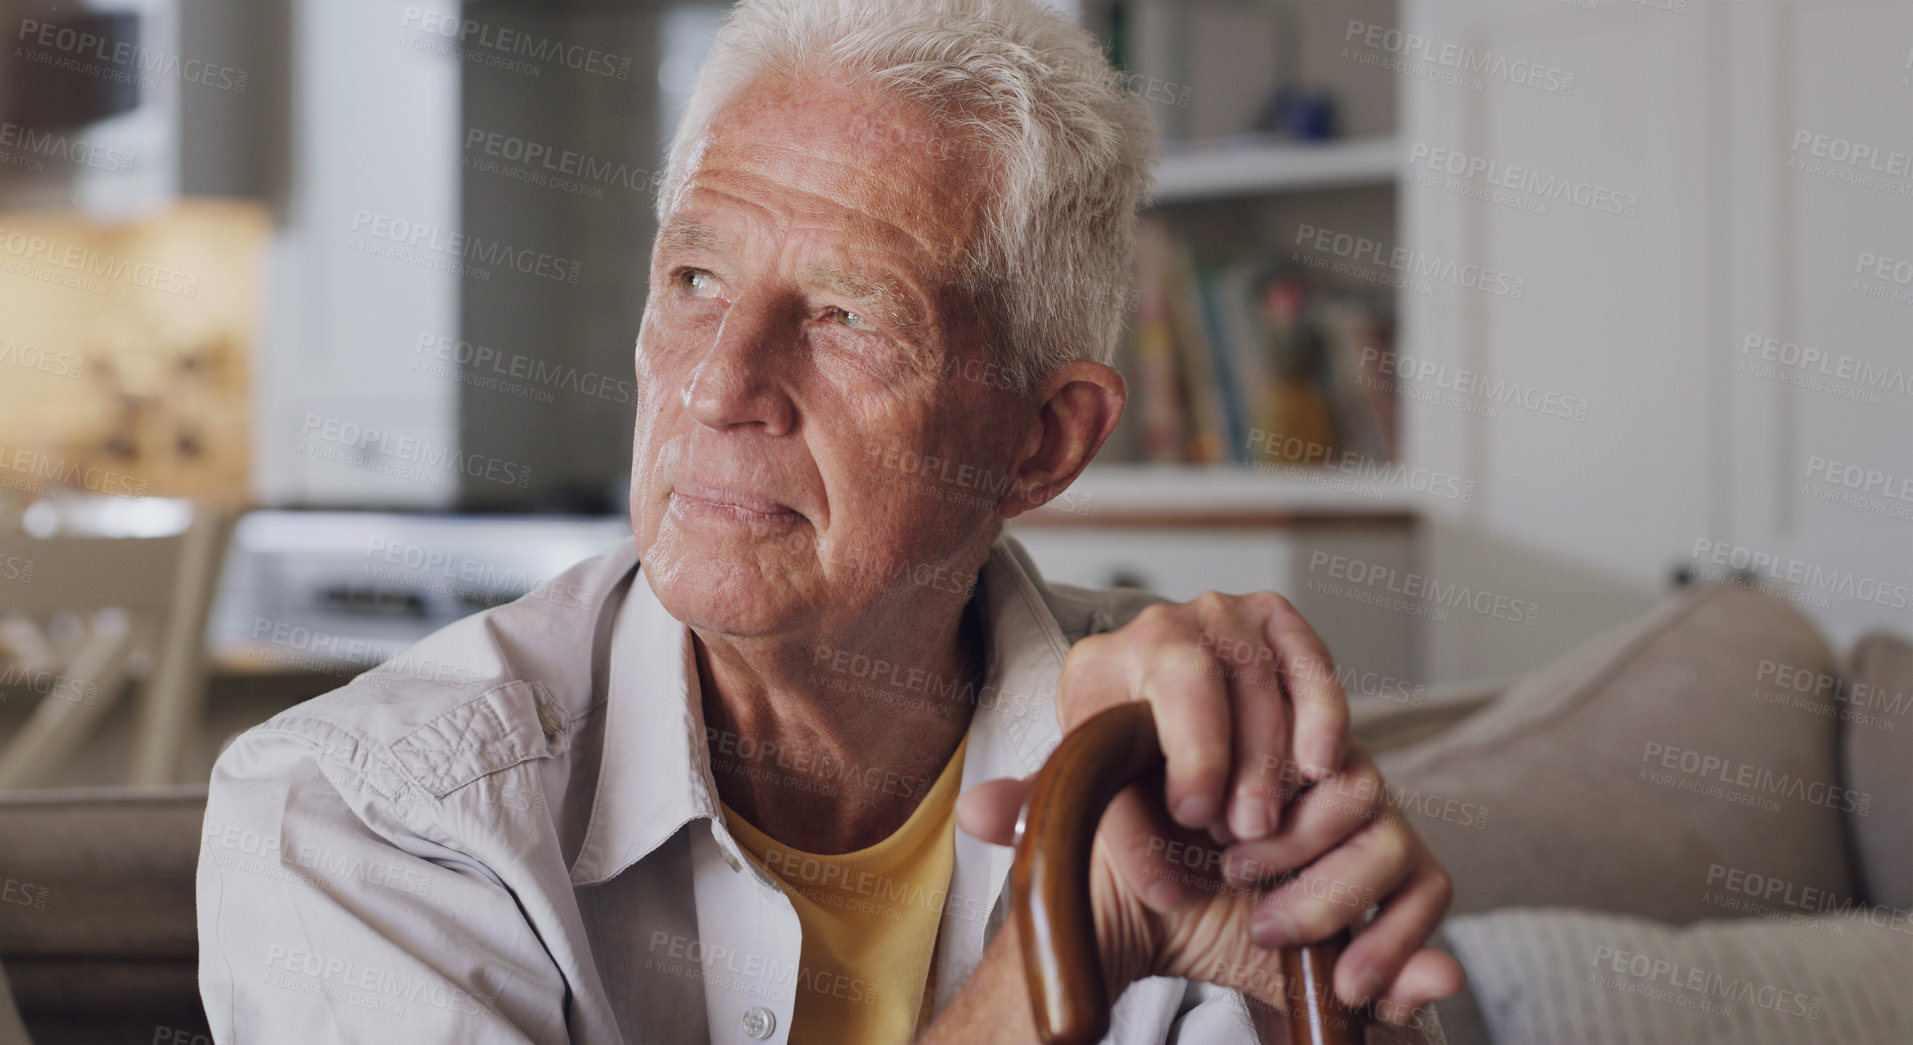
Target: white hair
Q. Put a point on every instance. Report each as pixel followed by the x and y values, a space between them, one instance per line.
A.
pixel 1071 150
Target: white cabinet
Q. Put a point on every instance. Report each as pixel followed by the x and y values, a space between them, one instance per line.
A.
pixel 1349 562
pixel 1686 113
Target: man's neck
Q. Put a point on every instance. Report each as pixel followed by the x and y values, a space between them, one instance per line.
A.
pixel 831 748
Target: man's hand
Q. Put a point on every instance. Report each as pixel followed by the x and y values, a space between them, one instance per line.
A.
pixel 1250 714
pixel 1244 692
pixel 1238 905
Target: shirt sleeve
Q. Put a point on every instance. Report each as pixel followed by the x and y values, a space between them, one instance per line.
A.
pixel 332 909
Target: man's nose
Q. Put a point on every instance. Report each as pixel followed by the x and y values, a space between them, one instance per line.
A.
pixel 739 382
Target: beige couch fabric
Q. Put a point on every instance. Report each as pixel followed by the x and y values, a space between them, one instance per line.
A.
pixel 1552 975
pixel 1877 707
pixel 1652 771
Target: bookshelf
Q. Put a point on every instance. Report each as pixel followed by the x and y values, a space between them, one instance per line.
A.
pixel 1243 339
pixel 1216 170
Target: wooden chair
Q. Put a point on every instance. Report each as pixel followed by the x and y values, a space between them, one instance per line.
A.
pixel 1050 891
pixel 133 594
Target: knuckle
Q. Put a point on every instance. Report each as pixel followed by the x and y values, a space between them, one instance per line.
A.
pixel 1212 601
pixel 1315 919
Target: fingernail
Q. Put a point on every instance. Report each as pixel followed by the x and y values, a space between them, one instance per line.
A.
pixel 1195 810
pixel 1273 929
pixel 1251 818
pixel 1162 897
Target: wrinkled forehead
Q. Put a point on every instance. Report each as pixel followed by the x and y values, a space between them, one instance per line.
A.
pixel 858 161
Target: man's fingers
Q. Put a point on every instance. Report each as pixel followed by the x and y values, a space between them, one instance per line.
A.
pixel 1320 707
pixel 1379 953
pixel 989 810
pixel 1191 707
pixel 1320 819
pixel 1428 975
pixel 1260 730
pixel 1333 892
pixel 1141 849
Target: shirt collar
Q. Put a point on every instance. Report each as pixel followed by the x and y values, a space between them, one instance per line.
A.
pixel 655 773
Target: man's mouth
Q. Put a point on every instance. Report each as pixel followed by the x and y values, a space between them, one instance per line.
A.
pixel 741 505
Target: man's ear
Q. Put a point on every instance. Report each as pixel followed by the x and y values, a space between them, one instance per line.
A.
pixel 1079 404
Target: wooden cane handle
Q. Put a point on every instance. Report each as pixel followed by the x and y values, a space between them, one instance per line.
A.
pixel 1050 889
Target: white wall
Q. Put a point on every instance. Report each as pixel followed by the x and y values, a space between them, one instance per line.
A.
pixel 1641 319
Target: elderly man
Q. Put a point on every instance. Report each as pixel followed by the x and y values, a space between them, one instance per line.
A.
pixel 703 786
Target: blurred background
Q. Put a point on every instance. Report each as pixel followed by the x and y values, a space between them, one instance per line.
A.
pixel 1473 327
pixel 1470 326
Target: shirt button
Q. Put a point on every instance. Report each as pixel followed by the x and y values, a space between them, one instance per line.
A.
pixel 759 1022
pixel 548 719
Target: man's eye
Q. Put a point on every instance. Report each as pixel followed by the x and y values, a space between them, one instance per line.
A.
pixel 847 318
pixel 698 283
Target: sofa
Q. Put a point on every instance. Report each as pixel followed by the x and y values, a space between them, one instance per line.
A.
pixel 1696 828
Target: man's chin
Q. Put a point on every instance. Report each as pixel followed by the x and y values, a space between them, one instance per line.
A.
pixel 717 590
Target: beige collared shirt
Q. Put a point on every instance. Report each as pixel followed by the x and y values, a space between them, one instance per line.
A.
pixel 510 833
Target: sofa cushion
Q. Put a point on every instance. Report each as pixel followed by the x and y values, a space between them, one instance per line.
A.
pixel 1879 760
pixel 1649 772
pixel 1553 975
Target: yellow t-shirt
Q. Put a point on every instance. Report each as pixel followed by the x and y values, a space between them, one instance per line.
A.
pixel 869 920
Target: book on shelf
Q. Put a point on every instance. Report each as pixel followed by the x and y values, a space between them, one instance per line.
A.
pixel 1239 359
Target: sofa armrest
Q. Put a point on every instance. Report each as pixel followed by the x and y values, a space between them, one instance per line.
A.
pixel 1381 725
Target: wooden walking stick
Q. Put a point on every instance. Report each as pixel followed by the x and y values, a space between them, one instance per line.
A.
pixel 1050 883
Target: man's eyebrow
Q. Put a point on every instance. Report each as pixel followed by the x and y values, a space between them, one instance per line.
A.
pixel 688 235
